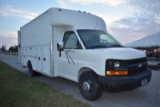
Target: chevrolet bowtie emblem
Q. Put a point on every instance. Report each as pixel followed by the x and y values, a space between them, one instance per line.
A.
pixel 140 65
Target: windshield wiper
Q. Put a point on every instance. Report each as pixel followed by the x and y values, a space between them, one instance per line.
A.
pixel 116 45
pixel 98 46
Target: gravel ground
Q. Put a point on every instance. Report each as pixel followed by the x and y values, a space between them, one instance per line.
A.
pixel 147 96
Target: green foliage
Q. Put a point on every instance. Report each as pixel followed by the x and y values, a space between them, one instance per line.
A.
pixel 13 49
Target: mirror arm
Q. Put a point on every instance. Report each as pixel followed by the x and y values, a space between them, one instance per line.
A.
pixel 60 53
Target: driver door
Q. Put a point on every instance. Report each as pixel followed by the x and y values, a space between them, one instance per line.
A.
pixel 68 61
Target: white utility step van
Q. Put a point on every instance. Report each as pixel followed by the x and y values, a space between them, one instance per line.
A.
pixel 75 45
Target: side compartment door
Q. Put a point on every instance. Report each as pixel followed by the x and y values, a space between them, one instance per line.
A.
pixel 46 59
pixel 22 55
pixel 68 61
pixel 39 58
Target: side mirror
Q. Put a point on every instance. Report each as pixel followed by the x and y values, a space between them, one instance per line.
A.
pixel 60 47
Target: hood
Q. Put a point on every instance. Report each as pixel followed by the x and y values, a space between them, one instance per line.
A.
pixel 119 53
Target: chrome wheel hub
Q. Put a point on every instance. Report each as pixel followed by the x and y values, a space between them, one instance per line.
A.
pixel 86 86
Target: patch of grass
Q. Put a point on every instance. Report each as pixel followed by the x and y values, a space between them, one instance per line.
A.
pixel 18 90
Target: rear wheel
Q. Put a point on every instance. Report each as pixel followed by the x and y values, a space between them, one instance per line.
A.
pixel 89 86
pixel 32 73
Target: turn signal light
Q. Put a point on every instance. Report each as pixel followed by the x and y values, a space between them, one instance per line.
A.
pixel 116 73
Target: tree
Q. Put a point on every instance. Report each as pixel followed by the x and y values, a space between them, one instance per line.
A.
pixel 4 48
pixel 13 49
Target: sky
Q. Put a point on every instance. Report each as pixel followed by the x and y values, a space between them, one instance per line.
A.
pixel 126 20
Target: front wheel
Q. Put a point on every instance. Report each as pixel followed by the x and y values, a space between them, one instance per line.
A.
pixel 89 86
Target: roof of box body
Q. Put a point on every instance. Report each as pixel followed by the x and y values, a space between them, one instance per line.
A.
pixel 76 19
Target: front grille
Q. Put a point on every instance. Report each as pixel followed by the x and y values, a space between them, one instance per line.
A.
pixel 136 66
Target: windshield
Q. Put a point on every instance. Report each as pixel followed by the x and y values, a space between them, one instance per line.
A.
pixel 97 39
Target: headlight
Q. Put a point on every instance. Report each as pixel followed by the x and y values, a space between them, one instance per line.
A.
pixel 116 67
pixel 116 64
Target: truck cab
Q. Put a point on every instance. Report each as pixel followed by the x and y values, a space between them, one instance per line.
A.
pixel 103 63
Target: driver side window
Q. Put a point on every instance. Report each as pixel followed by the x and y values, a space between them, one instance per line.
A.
pixel 70 40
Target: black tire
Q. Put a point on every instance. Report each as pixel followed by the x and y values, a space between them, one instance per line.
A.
pixel 89 86
pixel 31 73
